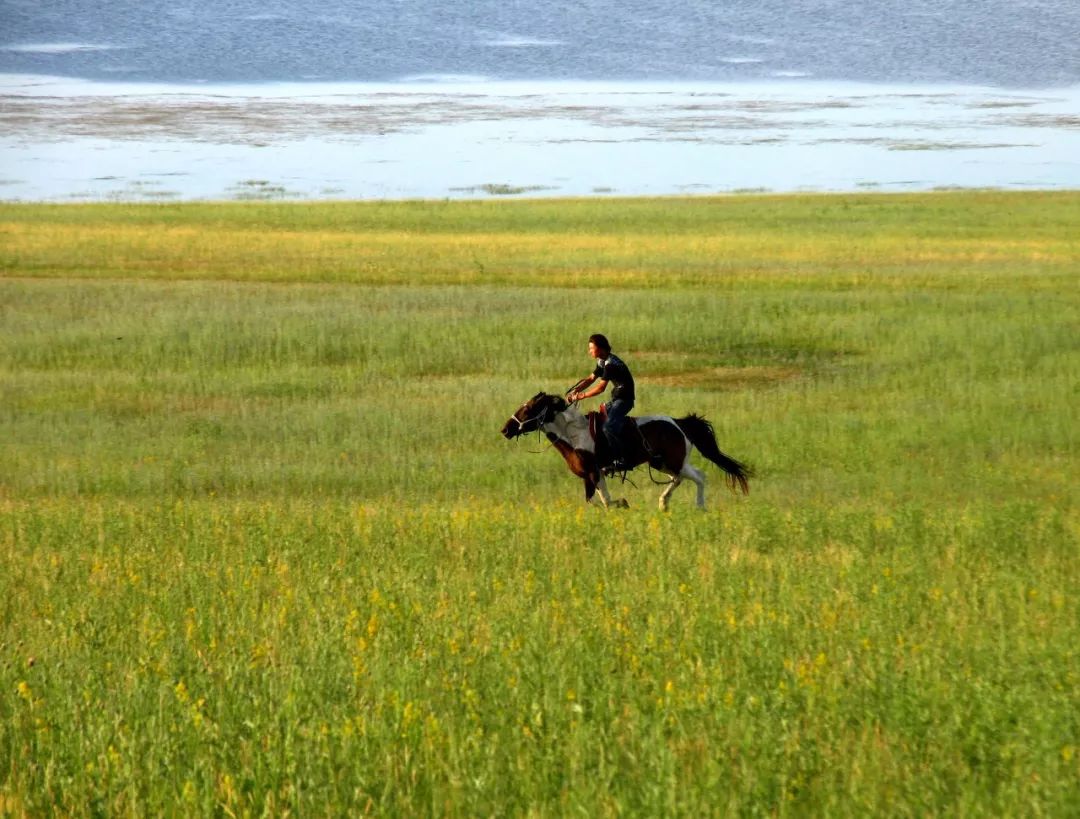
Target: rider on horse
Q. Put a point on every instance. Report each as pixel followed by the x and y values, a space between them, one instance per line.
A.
pixel 609 367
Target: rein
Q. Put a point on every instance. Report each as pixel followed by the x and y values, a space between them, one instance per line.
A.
pixel 539 440
pixel 539 430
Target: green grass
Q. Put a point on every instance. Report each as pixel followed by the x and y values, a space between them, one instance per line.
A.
pixel 263 551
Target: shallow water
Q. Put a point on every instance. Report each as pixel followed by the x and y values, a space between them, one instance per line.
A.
pixel 63 140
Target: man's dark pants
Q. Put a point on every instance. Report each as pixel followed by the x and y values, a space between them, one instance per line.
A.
pixel 617 411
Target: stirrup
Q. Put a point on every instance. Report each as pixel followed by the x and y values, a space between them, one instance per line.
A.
pixel 614 467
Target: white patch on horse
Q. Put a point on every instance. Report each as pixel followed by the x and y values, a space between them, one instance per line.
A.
pixel 573 427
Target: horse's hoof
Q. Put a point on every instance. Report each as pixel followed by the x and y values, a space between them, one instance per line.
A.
pixel 622 503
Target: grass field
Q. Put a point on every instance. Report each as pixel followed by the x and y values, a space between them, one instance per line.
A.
pixel 263 551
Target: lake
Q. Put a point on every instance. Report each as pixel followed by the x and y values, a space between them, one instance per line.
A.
pixel 157 101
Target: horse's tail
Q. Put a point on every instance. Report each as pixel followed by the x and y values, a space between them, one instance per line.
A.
pixel 700 432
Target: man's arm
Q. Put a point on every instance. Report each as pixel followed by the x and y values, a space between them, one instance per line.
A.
pixel 578 386
pixel 601 385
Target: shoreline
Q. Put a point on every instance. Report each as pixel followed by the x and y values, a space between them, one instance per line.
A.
pixel 70 140
pixel 73 86
pixel 525 200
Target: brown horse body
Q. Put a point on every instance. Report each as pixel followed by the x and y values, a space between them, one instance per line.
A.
pixel 662 442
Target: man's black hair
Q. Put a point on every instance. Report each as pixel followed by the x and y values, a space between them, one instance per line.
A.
pixel 600 340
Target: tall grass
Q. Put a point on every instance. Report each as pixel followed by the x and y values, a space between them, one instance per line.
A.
pixel 263 551
pixel 330 658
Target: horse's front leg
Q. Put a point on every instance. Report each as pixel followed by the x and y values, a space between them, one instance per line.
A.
pixel 602 492
pixel 600 482
pixel 584 465
pixel 589 472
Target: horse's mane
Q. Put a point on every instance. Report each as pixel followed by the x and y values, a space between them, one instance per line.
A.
pixel 560 403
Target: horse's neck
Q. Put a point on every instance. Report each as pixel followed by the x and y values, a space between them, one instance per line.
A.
pixel 572 427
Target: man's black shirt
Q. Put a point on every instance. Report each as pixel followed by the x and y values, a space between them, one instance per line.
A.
pixel 613 370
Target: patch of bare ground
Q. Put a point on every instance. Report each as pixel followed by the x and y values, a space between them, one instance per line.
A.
pixel 1043 120
pixel 1005 104
pixel 724 378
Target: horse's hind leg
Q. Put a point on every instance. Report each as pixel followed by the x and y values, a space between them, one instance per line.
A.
pixel 698 477
pixel 694 474
pixel 666 494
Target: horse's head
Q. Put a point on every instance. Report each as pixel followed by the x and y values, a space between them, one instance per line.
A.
pixel 533 414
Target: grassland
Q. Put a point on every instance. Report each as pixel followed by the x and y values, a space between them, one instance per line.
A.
pixel 262 550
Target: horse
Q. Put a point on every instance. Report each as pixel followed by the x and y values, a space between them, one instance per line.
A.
pixel 663 442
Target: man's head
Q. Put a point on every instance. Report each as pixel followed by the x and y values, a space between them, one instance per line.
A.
pixel 599 346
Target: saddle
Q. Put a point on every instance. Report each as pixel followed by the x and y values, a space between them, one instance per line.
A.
pixel 596 422
pixel 630 435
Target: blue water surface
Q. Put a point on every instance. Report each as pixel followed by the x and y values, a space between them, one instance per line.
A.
pixel 1002 43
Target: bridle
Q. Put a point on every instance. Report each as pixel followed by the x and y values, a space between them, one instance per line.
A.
pixel 541 418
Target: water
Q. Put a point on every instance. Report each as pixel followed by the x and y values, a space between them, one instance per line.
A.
pixel 154 100
pixel 1002 43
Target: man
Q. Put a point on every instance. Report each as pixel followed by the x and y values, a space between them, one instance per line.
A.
pixel 609 368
